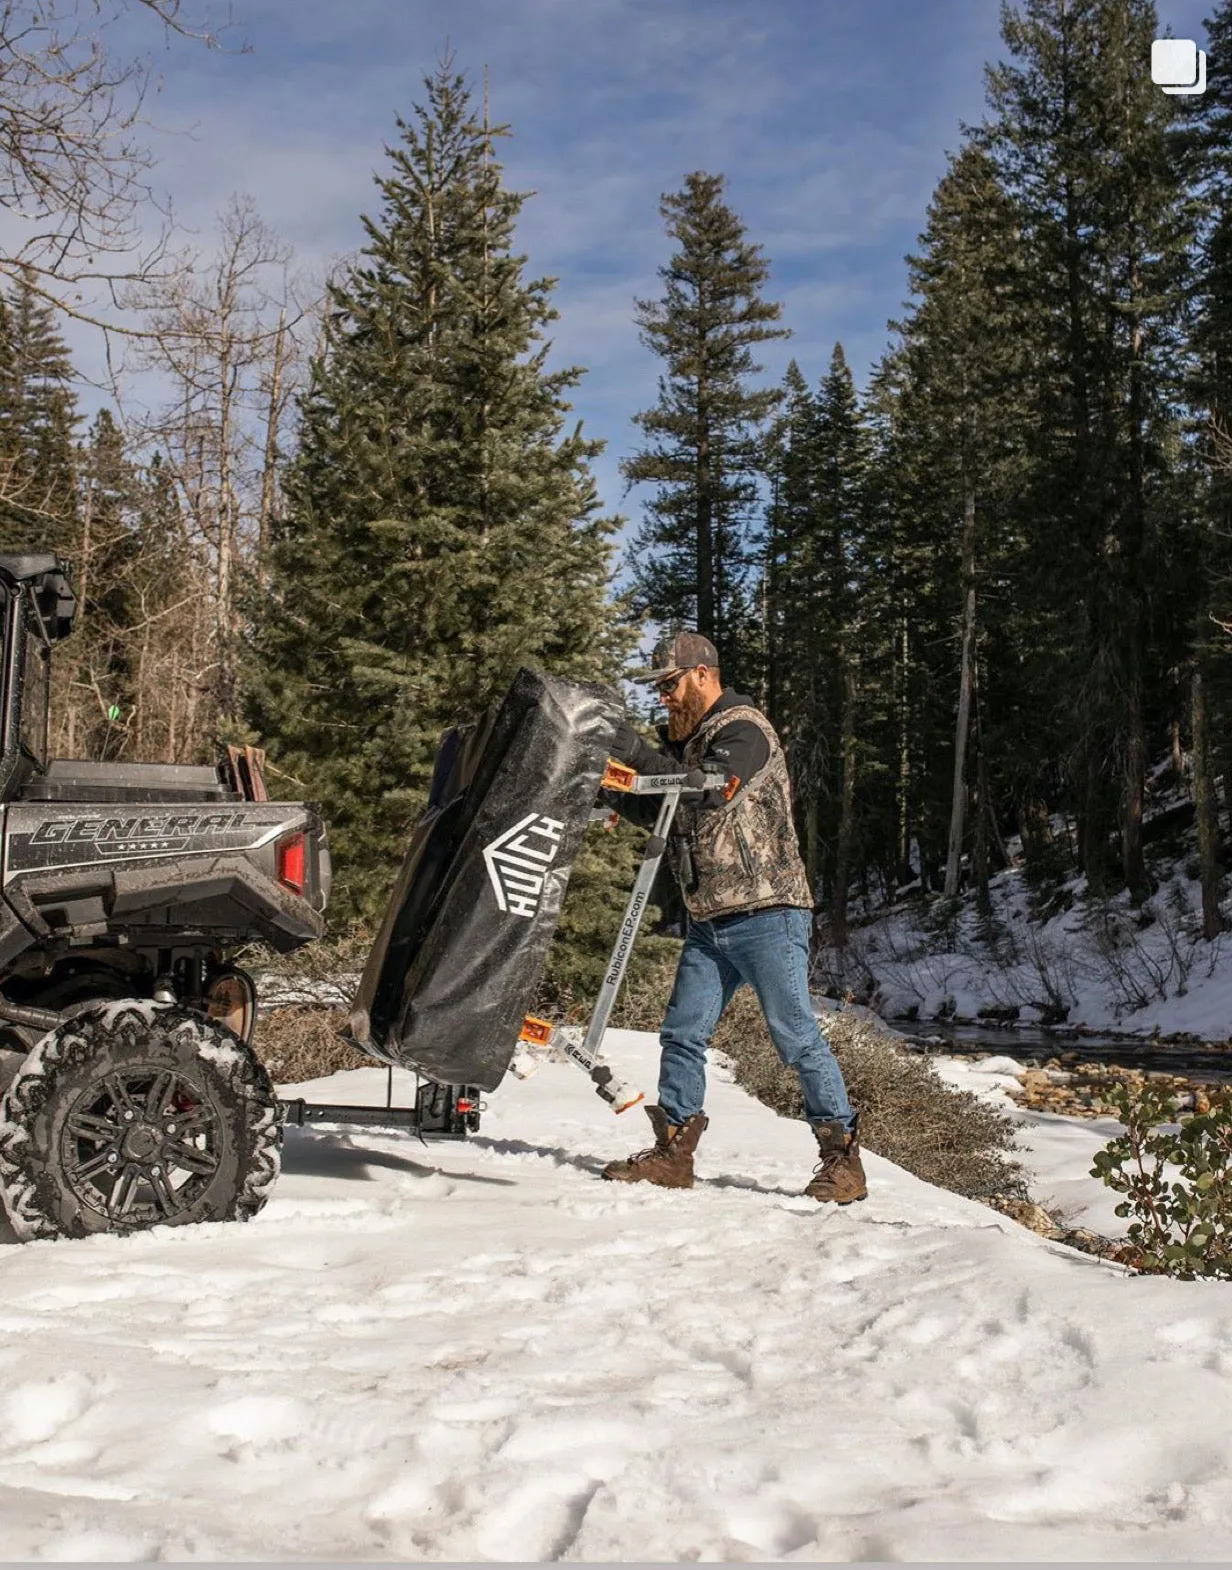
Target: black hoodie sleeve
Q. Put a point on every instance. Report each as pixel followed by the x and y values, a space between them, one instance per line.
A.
pixel 628 747
pixel 739 751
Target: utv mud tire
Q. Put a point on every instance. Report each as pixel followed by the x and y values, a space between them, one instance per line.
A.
pixel 133 1115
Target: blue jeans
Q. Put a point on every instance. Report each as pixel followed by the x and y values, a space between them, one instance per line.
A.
pixel 769 950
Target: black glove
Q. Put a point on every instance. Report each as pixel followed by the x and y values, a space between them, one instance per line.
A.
pixel 625 743
pixel 628 747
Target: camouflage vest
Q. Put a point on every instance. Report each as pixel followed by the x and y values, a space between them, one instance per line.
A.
pixel 744 854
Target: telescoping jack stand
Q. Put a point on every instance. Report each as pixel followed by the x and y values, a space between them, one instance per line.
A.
pixel 583 1048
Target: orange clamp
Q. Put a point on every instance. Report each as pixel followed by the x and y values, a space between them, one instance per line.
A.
pixel 619 776
pixel 537 1031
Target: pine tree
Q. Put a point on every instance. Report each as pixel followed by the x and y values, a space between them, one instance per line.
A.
pixel 1081 139
pixel 693 553
pixel 440 526
pixel 1203 554
pixel 787 594
pixel 820 566
pixel 38 416
pixel 843 575
pixel 93 685
pixel 957 466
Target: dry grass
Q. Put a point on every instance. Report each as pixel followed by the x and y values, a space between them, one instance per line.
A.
pixel 907 1112
pixel 326 965
pixel 643 1000
pixel 301 1041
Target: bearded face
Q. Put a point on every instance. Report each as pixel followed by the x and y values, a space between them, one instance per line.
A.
pixel 685 707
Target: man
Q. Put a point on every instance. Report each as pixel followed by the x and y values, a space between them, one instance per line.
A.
pixel 735 854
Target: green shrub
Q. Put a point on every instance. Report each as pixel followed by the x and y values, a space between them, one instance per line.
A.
pixel 1182 1221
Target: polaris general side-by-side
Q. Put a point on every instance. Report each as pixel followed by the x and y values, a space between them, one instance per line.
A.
pixel 131 1096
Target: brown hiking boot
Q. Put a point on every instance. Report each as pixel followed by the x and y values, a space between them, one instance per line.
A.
pixel 839 1176
pixel 669 1161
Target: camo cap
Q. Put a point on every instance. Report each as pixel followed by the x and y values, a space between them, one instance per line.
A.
pixel 680 653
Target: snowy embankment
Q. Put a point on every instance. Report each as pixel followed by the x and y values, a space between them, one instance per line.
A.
pixel 1105 965
pixel 481 1351
pixel 1056 1151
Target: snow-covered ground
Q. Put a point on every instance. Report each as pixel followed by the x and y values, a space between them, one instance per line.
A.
pixel 480 1351
pixel 1056 1151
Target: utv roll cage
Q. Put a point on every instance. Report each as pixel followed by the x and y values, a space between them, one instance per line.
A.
pixel 37 608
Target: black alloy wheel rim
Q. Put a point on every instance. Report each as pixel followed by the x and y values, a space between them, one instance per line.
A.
pixel 140 1145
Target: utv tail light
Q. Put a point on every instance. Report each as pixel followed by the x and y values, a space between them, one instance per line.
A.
pixel 291 862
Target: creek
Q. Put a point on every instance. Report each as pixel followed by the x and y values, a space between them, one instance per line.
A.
pixel 1027 1044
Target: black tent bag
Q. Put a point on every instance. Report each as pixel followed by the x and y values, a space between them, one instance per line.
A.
pixel 466 934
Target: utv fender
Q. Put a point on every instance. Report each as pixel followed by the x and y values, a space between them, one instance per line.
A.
pixel 223 880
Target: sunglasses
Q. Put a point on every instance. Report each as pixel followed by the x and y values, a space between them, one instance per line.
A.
pixel 666 688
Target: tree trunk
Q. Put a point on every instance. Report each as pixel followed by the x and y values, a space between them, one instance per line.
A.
pixel 1034 829
pixel 846 819
pixel 1132 858
pixel 988 807
pixel 85 629
pixel 903 783
pixel 769 612
pixel 958 798
pixel 226 529
pixel 705 524
pixel 269 467
pixel 1097 821
pixel 1204 808
pixel 979 848
pixel 143 659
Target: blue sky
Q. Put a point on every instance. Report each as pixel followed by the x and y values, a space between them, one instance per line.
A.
pixel 831 120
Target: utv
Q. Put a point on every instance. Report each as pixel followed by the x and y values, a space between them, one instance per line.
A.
pixel 131 1094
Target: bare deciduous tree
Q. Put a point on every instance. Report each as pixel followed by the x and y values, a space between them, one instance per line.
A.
pixel 220 335
pixel 75 196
